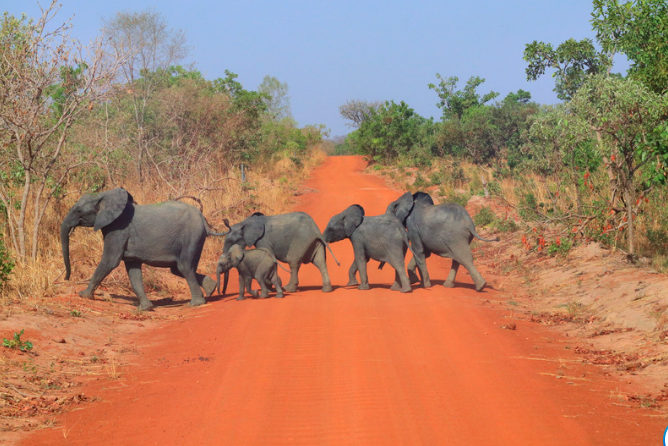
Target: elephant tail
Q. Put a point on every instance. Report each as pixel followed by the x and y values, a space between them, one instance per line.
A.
pixel 475 234
pixel 210 230
pixel 409 247
pixel 282 267
pixel 330 250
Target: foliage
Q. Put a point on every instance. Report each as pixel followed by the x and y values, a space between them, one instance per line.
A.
pixel 455 103
pixel 638 29
pixel 486 134
pixel 572 61
pixel 357 111
pixel 47 87
pixel 484 216
pixel 629 121
pixel 394 131
pixel 16 343
pixel 6 264
pixel 275 96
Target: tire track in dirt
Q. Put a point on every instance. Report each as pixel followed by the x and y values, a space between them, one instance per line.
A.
pixel 369 367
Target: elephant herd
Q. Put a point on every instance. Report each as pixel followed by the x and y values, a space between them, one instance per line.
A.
pixel 172 235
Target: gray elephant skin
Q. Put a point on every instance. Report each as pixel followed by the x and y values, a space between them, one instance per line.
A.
pixel 292 238
pixel 445 230
pixel 167 235
pixel 381 238
pixel 259 264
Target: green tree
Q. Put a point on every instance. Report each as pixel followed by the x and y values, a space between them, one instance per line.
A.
pixel 629 122
pixel 455 103
pixel 392 131
pixel 46 88
pixel 148 45
pixel 638 29
pixel 572 62
pixel 275 96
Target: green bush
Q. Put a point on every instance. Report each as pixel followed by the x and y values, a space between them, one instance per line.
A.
pixel 484 217
pixel 6 264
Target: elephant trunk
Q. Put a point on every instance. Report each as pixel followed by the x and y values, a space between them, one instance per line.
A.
pixel 220 270
pixel 65 230
pixel 227 276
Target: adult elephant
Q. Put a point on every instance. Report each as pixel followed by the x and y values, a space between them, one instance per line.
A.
pixel 445 230
pixel 293 238
pixel 168 235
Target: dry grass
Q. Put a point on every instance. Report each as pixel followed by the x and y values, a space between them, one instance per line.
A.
pixel 269 189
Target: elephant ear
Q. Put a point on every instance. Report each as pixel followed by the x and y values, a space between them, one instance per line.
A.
pixel 111 206
pixel 236 255
pixel 423 198
pixel 404 206
pixel 352 218
pixel 253 229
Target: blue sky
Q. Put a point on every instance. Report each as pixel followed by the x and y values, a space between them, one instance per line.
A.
pixel 329 52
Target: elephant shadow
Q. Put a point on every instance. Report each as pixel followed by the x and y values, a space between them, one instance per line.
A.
pixel 168 301
pixel 468 286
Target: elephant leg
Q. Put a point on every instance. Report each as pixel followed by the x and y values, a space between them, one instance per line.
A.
pixel 111 258
pixel 361 263
pixel 352 275
pixel 400 276
pixel 242 287
pixel 262 279
pixel 319 260
pixel 450 281
pixel 291 287
pixel 276 280
pixel 412 276
pixel 420 260
pixel 249 286
pixel 134 273
pixel 475 275
pixel 395 286
pixel 191 277
pixel 207 283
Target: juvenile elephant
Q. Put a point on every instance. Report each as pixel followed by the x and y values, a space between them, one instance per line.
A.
pixel 445 230
pixel 167 235
pixel 292 238
pixel 259 264
pixel 381 238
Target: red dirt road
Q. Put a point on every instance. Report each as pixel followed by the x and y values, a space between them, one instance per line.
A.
pixel 356 367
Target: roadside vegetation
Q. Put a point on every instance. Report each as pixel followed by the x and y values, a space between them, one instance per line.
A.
pixel 591 168
pixel 125 111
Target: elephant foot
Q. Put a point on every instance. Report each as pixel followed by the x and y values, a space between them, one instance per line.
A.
pixel 364 286
pixel 352 283
pixel 280 296
pixel 395 287
pixel 412 277
pixel 427 284
pixel 480 286
pixel 449 284
pixel 241 298
pixel 146 307
pixel 196 302
pixel 209 288
pixel 327 289
pixel 87 294
pixel 254 293
pixel 290 288
pixel 264 295
pixel 407 290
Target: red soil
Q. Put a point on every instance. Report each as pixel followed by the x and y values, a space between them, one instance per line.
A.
pixel 356 367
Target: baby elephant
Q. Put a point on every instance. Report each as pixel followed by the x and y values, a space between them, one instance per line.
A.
pixel 259 264
pixel 381 238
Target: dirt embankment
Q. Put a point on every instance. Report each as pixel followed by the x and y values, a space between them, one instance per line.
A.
pixel 349 367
